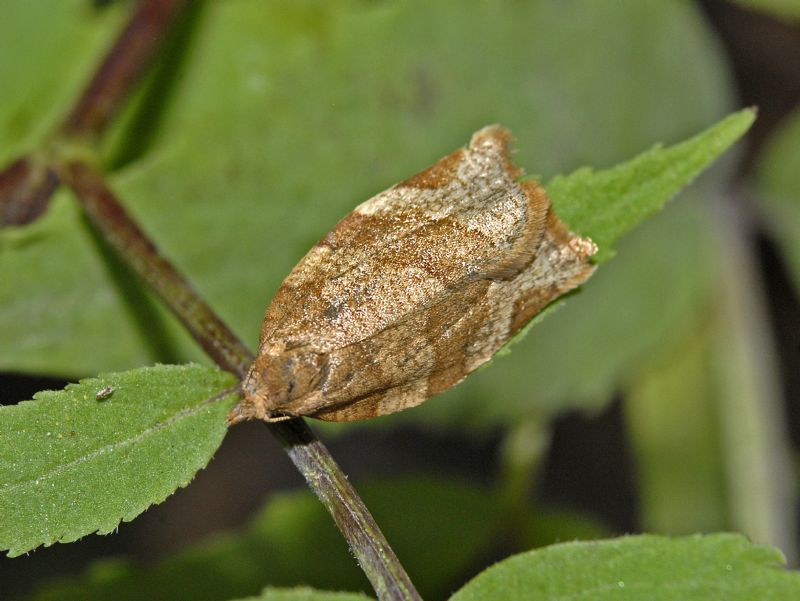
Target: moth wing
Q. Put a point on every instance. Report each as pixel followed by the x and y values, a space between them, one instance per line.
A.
pixel 397 367
pixel 465 218
pixel 433 350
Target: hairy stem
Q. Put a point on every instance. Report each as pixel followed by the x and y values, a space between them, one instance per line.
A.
pixel 308 454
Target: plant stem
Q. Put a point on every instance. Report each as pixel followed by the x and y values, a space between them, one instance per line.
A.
pixel 330 484
pixel 120 231
pixel 522 454
pixel 122 67
pixel 27 184
pixel 308 454
pixel 25 189
pixel 761 489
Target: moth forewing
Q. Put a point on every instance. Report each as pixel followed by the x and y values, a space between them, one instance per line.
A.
pixel 413 290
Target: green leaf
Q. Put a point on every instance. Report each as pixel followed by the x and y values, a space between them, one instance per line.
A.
pixel 722 566
pixel 319 106
pixel 304 594
pixel 47 51
pixel 607 204
pixel 72 464
pixel 293 541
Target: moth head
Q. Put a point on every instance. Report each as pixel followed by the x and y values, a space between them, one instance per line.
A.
pixel 276 380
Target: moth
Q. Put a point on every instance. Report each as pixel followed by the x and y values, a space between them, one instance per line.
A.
pixel 413 290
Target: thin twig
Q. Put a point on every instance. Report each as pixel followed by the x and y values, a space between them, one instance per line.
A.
pixel 122 68
pixel 324 476
pixel 28 183
pixel 308 454
pixel 123 234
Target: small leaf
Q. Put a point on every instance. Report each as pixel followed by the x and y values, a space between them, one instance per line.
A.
pixel 695 568
pixel 72 464
pixel 606 204
pixel 304 594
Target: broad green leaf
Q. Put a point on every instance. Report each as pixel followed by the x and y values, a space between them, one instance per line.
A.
pixel 672 418
pixel 606 204
pixel 285 117
pixel 47 52
pixel 696 568
pixel 293 541
pixel 119 321
pixel 783 9
pixel 778 185
pixel 304 594
pixel 72 464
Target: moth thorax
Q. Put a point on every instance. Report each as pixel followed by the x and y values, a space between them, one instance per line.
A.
pixel 275 380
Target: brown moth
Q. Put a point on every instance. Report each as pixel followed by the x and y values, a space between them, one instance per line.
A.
pixel 413 290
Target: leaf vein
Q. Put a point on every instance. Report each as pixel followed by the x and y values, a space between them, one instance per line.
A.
pixel 140 436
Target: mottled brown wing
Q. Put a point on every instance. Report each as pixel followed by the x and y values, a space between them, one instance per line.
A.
pixel 464 219
pixel 431 350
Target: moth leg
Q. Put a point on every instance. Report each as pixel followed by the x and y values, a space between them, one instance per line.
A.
pixel 276 417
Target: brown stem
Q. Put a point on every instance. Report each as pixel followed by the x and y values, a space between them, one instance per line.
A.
pixel 25 189
pixel 330 484
pixel 123 66
pixel 308 454
pixel 124 235
pixel 27 184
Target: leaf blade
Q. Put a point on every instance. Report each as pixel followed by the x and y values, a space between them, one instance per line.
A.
pixel 633 190
pixel 640 567
pixel 71 464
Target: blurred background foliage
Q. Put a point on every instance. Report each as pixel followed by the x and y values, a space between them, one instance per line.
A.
pixel 662 398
